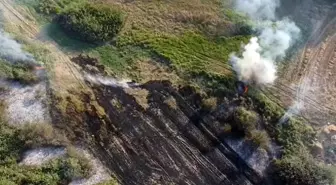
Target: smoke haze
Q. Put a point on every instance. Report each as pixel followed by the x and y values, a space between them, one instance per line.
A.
pixel 258 9
pixel 258 62
pixel 12 51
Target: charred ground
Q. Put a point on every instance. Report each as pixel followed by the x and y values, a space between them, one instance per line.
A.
pixel 179 119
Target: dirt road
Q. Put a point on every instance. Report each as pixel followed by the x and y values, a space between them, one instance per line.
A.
pixel 310 80
pixel 65 75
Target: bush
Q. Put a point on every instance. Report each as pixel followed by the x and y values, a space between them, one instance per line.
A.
pixel 48 7
pixel 55 7
pixel 171 102
pixel 300 170
pixel 10 144
pixel 59 171
pixel 23 73
pixel 260 138
pixel 36 135
pixel 245 120
pixel 210 104
pixel 295 134
pixel 66 168
pixel 92 22
pixel 271 110
pixel 83 163
pixel 227 128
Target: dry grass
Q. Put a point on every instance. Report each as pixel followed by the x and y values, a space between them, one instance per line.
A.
pixel 171 102
pixel 210 104
pixel 170 16
pixel 260 138
pixel 140 96
pixel 36 135
pixel 149 70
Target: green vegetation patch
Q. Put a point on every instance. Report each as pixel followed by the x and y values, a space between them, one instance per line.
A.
pixel 301 169
pixel 190 52
pixel 245 120
pixel 21 72
pixel 92 22
pixel 119 59
pixel 14 141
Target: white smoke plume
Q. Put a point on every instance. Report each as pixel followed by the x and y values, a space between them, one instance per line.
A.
pixel 12 51
pixel 253 66
pixel 258 62
pixel 293 110
pixel 258 9
pixel 108 81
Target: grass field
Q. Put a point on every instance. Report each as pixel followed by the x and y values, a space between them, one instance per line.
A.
pixel 182 41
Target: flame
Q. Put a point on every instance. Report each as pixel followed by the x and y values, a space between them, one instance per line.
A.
pixel 39 68
pixel 245 89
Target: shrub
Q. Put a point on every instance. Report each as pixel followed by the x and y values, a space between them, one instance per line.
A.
pixel 110 182
pixel 171 102
pixel 55 7
pixel 260 138
pixel 271 110
pixel 24 75
pixel 84 165
pixel 300 170
pixel 92 22
pixel 245 120
pixel 295 134
pixel 48 7
pixel 227 128
pixel 10 144
pixel 210 104
pixel 66 168
pixel 36 135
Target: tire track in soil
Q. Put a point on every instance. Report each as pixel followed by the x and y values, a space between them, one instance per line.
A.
pixel 315 86
pixel 67 75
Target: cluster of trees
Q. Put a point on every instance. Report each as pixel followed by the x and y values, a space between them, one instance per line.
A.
pixel 300 169
pixel 93 23
pixel 89 22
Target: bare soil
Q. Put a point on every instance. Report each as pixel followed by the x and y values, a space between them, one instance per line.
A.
pixel 309 79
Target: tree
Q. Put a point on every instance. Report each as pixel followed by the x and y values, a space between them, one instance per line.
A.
pixel 92 22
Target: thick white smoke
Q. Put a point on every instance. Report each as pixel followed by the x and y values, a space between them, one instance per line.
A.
pixel 253 66
pixel 12 50
pixel 258 62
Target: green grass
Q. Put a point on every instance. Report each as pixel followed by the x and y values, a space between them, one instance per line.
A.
pixel 14 141
pixel 56 33
pixel 190 52
pixel 119 60
pixel 17 72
